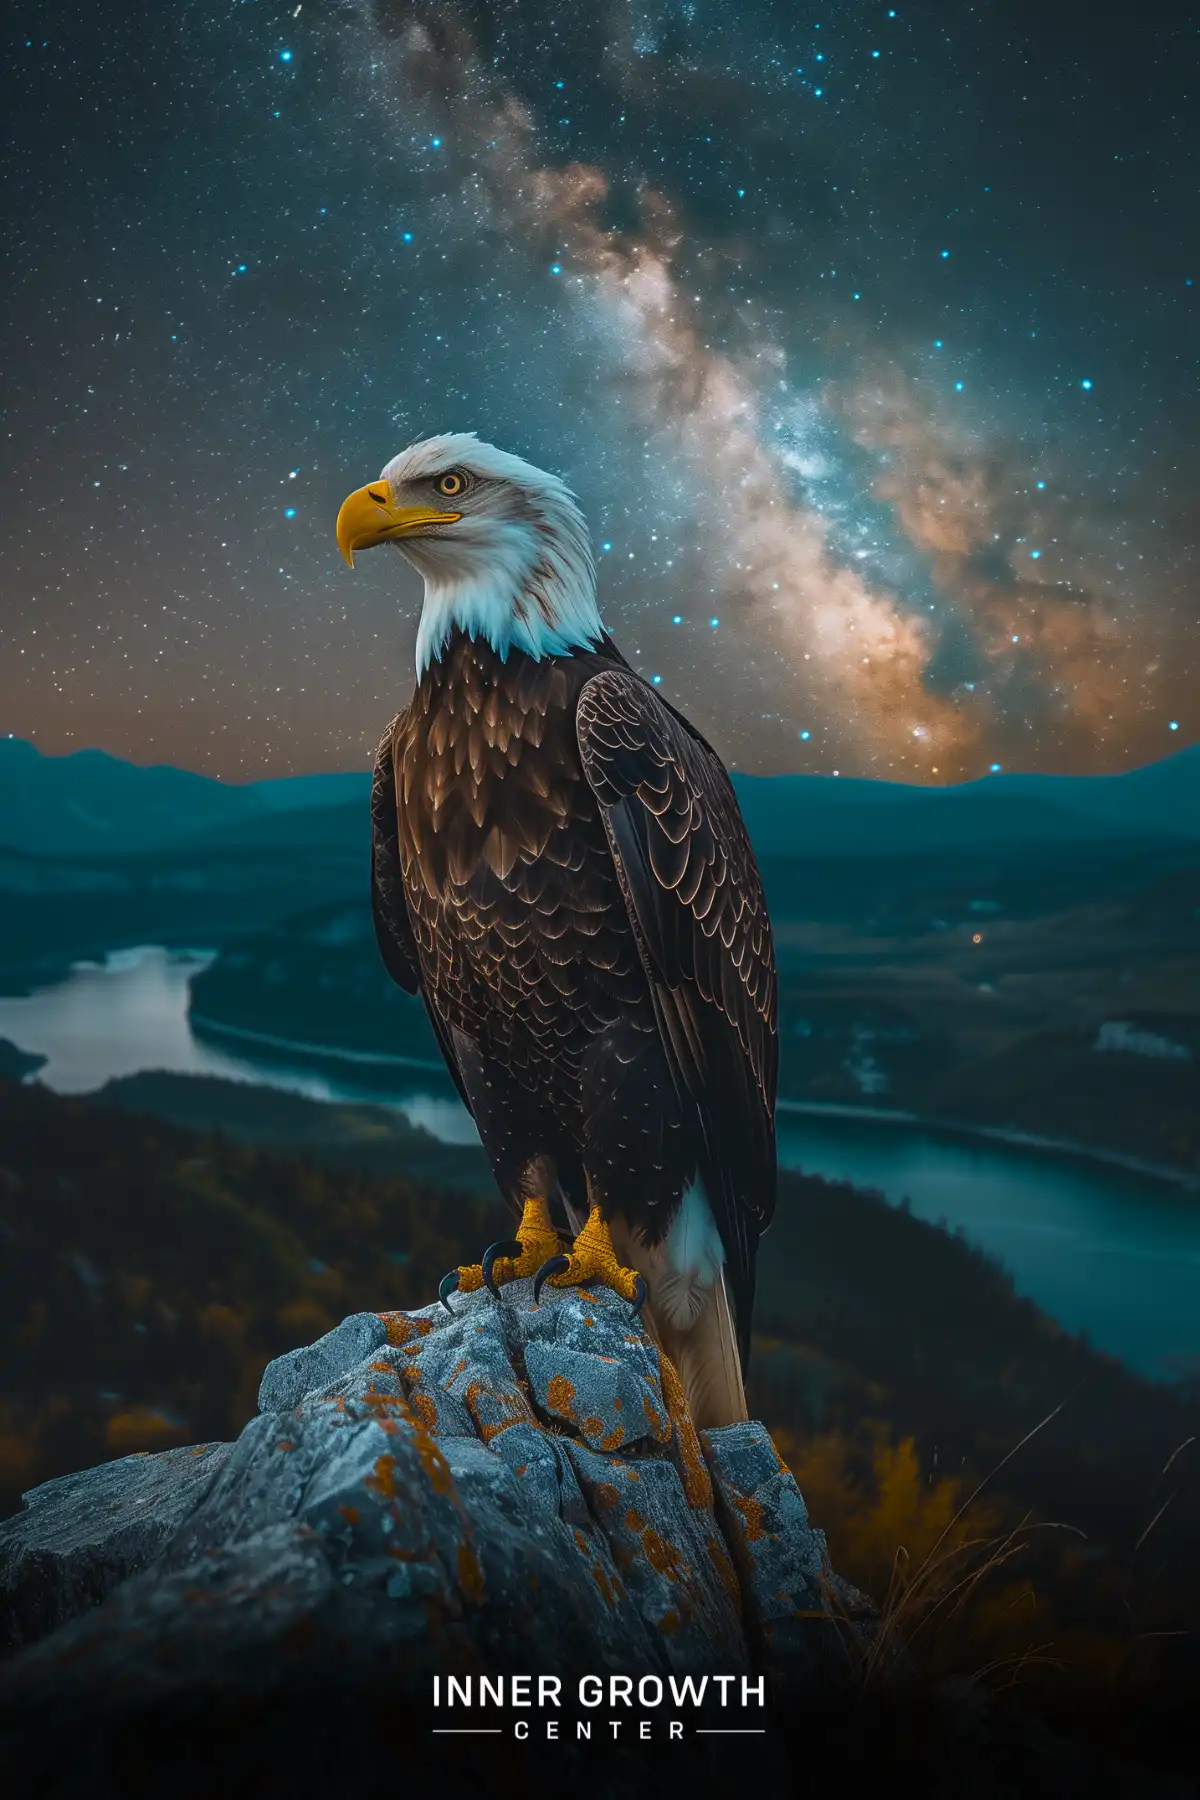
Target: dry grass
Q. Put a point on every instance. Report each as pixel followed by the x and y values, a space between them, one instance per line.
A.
pixel 947 1604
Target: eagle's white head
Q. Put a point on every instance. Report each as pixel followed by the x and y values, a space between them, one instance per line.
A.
pixel 503 546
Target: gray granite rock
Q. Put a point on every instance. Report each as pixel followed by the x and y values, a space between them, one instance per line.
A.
pixel 286 1380
pixel 510 1486
pixel 511 1489
pixel 80 1535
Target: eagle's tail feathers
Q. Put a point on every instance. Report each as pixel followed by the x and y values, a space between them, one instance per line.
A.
pixel 691 1319
pixel 706 1355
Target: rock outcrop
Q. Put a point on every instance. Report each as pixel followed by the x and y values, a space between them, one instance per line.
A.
pixel 511 1490
pixel 514 1488
pixel 515 1484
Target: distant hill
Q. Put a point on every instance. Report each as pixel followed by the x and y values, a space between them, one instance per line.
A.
pixel 816 815
pixel 89 802
pixel 92 803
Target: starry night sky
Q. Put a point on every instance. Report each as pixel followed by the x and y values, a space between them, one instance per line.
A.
pixel 867 337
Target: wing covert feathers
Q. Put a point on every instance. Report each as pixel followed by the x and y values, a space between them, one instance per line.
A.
pixel 695 900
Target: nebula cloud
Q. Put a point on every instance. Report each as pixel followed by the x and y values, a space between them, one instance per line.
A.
pixel 887 443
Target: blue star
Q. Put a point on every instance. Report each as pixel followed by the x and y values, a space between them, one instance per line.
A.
pixel 656 679
pixel 556 268
pixel 1035 554
pixel 874 53
pixel 958 386
pixel 806 735
pixel 945 253
pixel 606 546
pixel 714 623
pixel 1085 383
pixel 407 236
pixel 937 343
pixel 436 142
pixel 678 619
pixel 1172 724
pixel 289 512
pixel 995 769
pixel 285 56
pixel 1041 484
pixel 241 268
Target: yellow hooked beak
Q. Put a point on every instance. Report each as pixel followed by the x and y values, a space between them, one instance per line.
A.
pixel 368 518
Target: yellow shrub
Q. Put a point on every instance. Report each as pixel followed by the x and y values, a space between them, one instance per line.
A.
pixel 141 1428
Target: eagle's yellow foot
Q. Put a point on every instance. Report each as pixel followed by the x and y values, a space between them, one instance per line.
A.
pixel 592 1258
pixel 524 1255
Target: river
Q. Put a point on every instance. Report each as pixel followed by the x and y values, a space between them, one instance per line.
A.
pixel 1106 1251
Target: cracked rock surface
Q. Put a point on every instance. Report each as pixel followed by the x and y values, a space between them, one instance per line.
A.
pixel 509 1490
pixel 511 1487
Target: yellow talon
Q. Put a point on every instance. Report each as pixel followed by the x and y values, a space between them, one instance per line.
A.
pixel 593 1258
pixel 536 1239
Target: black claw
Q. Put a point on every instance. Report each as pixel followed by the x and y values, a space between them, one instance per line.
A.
pixel 449 1285
pixel 640 1291
pixel 490 1257
pixel 554 1265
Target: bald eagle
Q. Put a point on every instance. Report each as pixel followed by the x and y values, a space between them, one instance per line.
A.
pixel 561 872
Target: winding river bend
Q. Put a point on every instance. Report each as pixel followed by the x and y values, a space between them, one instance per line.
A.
pixel 1108 1251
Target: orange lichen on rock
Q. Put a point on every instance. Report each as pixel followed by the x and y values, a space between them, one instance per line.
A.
pixel 350 1514
pixel 607 1495
pixel 697 1483
pixel 380 1402
pixel 424 1410
pixel 505 1408
pixel 660 1427
pixel 723 1564
pixel 560 1394
pixel 470 1575
pixel 753 1514
pixel 662 1555
pixel 432 1461
pixel 613 1439
pixel 382 1479
pixel 600 1576
pixel 402 1327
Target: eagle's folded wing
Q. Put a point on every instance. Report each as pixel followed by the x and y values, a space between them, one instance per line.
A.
pixel 693 891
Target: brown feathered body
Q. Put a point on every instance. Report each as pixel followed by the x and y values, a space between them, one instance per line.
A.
pixel 561 870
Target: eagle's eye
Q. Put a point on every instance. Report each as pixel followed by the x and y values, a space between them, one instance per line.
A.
pixel 452 483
